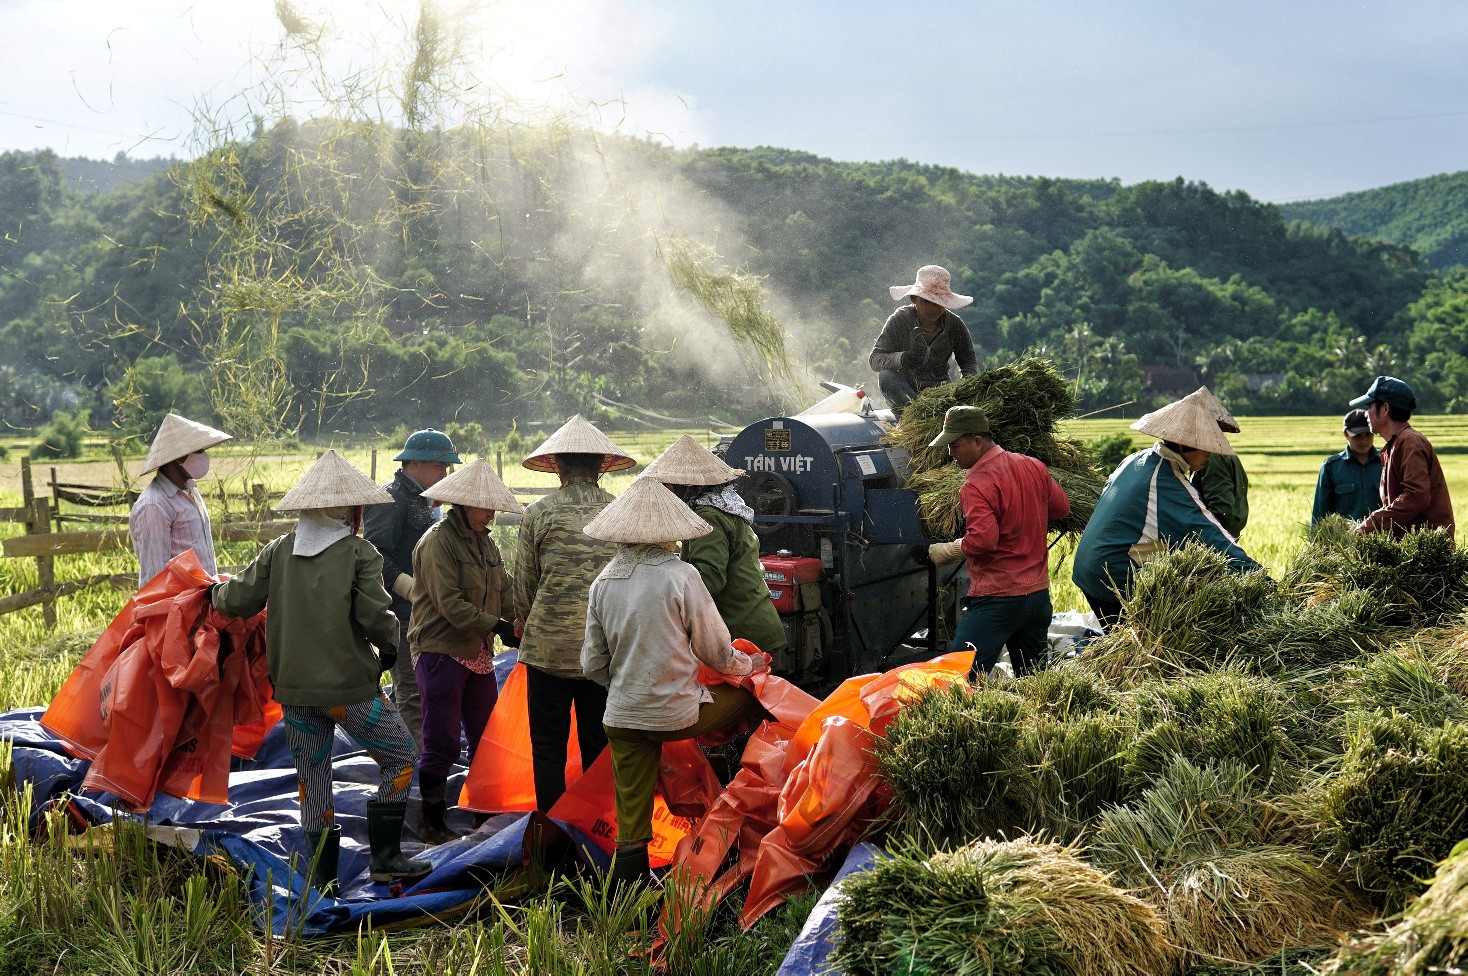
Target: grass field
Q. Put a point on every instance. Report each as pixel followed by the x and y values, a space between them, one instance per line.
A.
pixel 132 909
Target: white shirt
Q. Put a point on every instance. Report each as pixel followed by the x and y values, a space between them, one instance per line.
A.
pixel 649 622
pixel 165 521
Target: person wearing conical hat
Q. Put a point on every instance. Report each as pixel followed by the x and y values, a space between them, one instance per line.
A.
pixel 1222 483
pixel 169 516
pixel 462 598
pixel 913 349
pixel 1149 505
pixel 555 563
pixel 328 608
pixel 650 622
pixel 728 557
pixel 395 529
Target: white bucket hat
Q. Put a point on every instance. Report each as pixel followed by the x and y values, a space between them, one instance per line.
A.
pixel 687 462
pixel 1215 406
pixel 332 482
pixel 178 437
pixel 1186 422
pixel 578 436
pixel 934 284
pixel 646 512
pixel 477 486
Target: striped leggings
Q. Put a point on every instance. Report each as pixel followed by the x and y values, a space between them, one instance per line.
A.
pixel 375 726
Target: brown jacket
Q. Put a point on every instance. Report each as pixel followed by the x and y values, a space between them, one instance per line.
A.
pixel 1414 493
pixel 460 590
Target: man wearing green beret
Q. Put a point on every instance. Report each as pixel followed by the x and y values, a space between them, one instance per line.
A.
pixel 1008 502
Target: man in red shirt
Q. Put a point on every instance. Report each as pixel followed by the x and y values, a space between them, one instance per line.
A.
pixel 1008 502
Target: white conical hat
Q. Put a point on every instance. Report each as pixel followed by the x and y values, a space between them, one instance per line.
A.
pixel 1187 422
pixel 578 436
pixel 1215 406
pixel 687 462
pixel 647 512
pixel 332 482
pixel 475 485
pixel 178 437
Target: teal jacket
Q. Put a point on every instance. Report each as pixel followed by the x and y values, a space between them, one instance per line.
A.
pixel 1146 508
pixel 728 560
pixel 1348 487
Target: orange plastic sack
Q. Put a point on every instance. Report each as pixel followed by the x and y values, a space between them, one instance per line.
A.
pixel 590 805
pixel 502 776
pixel 828 792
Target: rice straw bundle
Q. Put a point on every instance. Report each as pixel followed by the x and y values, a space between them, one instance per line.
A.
pixel 995 907
pixel 1431 938
pixel 1418 580
pixel 1397 804
pixel 1201 845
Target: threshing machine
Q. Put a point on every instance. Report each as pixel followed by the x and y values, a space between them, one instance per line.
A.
pixel 838 540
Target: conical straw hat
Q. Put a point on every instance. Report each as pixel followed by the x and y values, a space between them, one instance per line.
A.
pixel 475 485
pixel 578 436
pixel 647 512
pixel 178 437
pixel 1186 422
pixel 1215 406
pixel 332 482
pixel 687 462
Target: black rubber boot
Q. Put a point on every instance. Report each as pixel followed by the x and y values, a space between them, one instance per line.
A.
pixel 435 831
pixel 385 838
pixel 324 847
pixel 630 868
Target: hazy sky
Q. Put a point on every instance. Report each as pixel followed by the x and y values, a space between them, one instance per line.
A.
pixel 1287 99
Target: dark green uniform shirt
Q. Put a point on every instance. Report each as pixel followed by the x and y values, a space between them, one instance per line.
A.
pixel 728 560
pixel 1225 491
pixel 1348 487
pixel 324 612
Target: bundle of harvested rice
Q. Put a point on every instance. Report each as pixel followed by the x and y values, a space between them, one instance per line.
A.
pixel 938 498
pixel 737 298
pixel 1199 845
pixel 1024 402
pixel 1323 633
pixel 1077 767
pixel 1291 962
pixel 953 763
pixel 1401 681
pixel 995 907
pixel 1208 718
pixel 1396 805
pixel 1430 939
pixel 1445 650
pixel 1064 691
pixel 1419 580
pixel 1186 612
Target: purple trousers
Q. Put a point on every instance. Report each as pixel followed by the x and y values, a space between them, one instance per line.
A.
pixel 454 699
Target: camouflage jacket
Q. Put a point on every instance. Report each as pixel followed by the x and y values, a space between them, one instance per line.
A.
pixel 555 563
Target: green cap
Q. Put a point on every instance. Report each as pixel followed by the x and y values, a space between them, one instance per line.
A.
pixel 429 445
pixel 959 421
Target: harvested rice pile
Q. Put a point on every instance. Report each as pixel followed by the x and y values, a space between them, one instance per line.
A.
pixel 996 907
pixel 1025 402
pixel 1271 764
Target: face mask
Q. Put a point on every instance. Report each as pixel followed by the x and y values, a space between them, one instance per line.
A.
pixel 196 465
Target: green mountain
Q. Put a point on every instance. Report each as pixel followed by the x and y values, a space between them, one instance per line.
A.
pixel 1428 215
pixel 361 278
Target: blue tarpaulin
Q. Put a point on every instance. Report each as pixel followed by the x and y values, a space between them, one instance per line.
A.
pixel 259 830
pixel 809 953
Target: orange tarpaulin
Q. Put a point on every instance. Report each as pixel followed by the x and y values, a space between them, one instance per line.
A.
pixel 155 702
pixel 502 776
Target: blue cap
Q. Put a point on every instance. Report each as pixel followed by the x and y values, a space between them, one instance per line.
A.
pixel 429 445
pixel 1388 389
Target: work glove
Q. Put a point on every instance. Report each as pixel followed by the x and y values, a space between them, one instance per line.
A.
pixel 505 631
pixel 942 553
pixel 403 586
pixel 386 658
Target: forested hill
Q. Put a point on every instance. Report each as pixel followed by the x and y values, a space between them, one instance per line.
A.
pixel 1429 215
pixel 361 279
